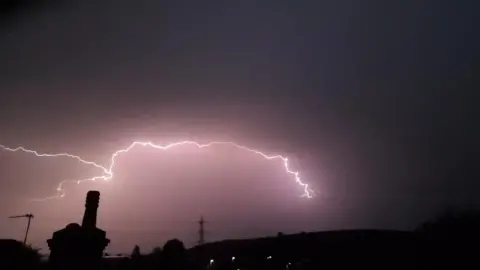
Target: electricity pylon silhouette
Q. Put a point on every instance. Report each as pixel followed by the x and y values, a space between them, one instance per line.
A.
pixel 201 231
pixel 29 216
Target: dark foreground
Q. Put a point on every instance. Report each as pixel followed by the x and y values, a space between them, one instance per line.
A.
pixel 448 241
pixel 364 249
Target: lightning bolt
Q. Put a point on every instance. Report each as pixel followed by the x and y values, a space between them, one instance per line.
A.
pixel 108 172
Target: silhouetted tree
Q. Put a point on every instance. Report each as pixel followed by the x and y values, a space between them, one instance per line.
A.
pixel 174 254
pixel 33 253
pixel 135 252
pixel 157 251
pixel 154 259
pixel 135 258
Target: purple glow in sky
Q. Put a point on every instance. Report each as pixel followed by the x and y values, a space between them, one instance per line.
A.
pixel 228 183
pixel 374 102
pixel 108 171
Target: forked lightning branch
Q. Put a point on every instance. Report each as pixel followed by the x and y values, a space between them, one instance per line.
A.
pixel 108 171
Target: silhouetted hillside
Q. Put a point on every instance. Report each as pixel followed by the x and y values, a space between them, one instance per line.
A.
pixel 369 248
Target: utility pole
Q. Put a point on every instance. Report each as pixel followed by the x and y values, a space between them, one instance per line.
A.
pixel 201 231
pixel 29 216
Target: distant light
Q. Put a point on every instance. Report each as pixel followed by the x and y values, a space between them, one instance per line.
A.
pixel 233 258
pixel 211 261
pixel 269 257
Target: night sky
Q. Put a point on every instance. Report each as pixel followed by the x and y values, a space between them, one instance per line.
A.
pixel 374 102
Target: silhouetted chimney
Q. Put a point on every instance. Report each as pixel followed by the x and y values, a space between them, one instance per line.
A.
pixel 79 247
pixel 91 206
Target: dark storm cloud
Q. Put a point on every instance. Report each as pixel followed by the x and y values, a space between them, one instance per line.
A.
pixel 375 101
